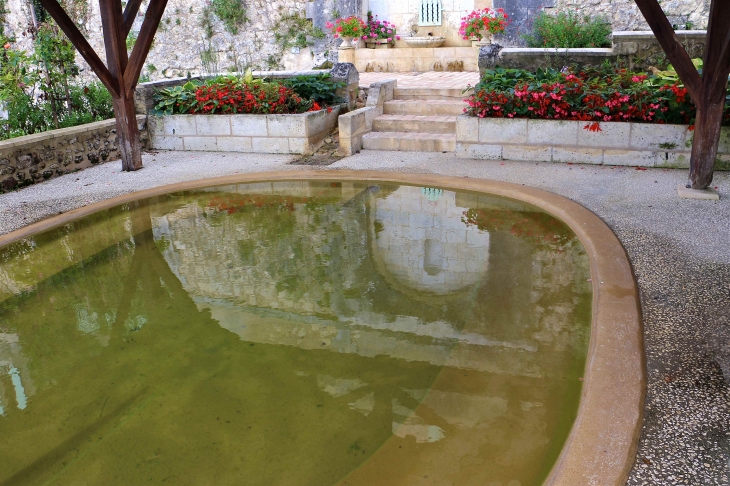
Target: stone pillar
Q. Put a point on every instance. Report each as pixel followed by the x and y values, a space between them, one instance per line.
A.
pixel 346 54
pixel 346 73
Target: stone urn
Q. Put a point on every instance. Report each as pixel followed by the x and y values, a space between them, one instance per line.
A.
pixel 346 42
pixel 486 39
pixel 430 41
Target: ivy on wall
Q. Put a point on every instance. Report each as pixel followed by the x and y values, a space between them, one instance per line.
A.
pixel 232 13
pixel 293 30
pixel 3 19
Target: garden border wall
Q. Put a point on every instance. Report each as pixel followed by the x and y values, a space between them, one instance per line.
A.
pixel 264 134
pixel 637 50
pixel 617 143
pixel 34 158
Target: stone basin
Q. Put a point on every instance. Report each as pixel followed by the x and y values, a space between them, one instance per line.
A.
pixel 431 41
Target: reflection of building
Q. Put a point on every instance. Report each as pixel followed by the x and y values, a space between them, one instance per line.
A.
pixel 15 383
pixel 387 270
pixel 422 242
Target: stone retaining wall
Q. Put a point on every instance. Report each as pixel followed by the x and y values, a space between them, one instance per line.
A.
pixel 269 134
pixel 634 50
pixel 618 143
pixel 353 125
pixel 41 156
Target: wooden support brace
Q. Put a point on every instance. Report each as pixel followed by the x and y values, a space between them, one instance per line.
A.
pixel 82 45
pixel 674 50
pixel 144 42
pixel 130 12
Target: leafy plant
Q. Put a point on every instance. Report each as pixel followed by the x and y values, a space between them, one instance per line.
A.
pixel 41 91
pixel 567 29
pixel 320 88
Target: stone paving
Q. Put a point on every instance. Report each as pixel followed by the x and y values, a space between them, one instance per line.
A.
pixel 679 250
pixel 436 80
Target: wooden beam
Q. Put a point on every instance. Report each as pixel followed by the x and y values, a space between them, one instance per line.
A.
pixel 114 40
pixel 130 13
pixel 717 56
pixel 144 41
pixel 82 45
pixel 674 49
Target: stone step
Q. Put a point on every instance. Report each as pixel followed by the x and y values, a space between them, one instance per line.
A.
pixel 457 94
pixel 424 107
pixel 415 123
pixel 409 141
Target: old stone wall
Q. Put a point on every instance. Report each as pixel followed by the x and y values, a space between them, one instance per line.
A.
pixel 35 158
pixel 183 45
pixel 621 14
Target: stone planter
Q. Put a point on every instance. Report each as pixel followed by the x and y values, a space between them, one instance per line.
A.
pixel 269 134
pixel 379 44
pixel 486 39
pixel 618 143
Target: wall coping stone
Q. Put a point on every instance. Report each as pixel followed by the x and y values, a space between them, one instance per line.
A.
pixel 62 133
pixel 588 51
pixel 624 35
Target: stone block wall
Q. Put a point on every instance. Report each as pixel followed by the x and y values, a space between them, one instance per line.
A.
pixel 634 50
pixel 618 143
pixel 41 156
pixel 269 134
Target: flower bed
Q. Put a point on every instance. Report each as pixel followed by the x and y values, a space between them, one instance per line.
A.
pixel 592 95
pixel 230 114
pixel 246 95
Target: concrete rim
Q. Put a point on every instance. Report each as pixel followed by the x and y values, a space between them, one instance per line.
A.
pixel 601 447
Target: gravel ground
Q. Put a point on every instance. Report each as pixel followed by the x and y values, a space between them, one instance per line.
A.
pixel 680 250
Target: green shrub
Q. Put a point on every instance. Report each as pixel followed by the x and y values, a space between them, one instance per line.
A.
pixel 26 116
pixel 320 88
pixel 566 29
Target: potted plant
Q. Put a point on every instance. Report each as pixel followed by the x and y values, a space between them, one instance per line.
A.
pixel 379 34
pixel 482 24
pixel 348 29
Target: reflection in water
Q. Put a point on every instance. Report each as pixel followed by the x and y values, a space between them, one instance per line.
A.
pixel 293 333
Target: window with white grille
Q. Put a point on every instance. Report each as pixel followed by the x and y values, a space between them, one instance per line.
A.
pixel 429 12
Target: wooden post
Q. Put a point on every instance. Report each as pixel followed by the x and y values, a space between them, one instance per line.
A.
pixel 122 72
pixel 707 90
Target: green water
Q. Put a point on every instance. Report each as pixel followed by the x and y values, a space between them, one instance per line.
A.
pixel 304 333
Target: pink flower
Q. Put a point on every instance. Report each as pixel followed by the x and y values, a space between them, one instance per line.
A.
pixel 397 37
pixel 390 39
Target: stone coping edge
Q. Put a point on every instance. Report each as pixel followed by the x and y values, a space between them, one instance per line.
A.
pixel 602 444
pixel 63 132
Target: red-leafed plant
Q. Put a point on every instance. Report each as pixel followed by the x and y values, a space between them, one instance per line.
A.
pixel 493 21
pixel 589 95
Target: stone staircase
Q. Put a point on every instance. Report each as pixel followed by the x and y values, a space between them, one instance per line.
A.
pixel 417 120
